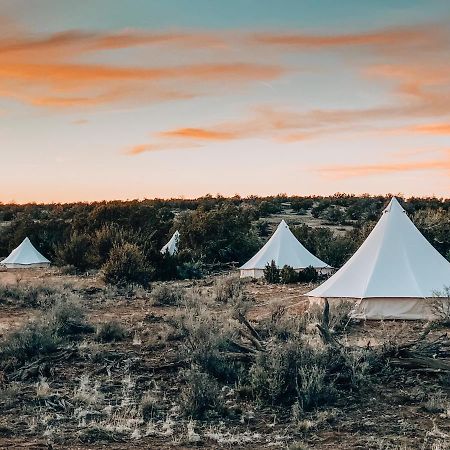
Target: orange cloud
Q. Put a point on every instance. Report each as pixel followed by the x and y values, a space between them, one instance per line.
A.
pixel 133 38
pixel 43 84
pixel 434 128
pixel 26 47
pixel 279 125
pixel 387 37
pixel 122 93
pixel 200 134
pixel 290 126
pixel 46 70
pixel 380 169
pixel 62 74
pixel 73 42
pixel 157 147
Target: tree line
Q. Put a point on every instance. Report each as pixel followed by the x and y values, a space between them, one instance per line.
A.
pixel 216 232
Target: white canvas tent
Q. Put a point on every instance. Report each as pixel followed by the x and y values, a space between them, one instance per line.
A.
pixel 172 246
pixel 283 248
pixel 393 274
pixel 25 255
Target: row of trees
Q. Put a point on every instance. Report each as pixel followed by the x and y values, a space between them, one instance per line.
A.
pixel 125 238
pixel 215 231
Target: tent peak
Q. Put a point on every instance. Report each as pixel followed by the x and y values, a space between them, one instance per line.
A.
pixel 394 205
pixel 283 224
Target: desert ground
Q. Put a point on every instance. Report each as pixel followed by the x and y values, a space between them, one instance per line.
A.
pixel 93 393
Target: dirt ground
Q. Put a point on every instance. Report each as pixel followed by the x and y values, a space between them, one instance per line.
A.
pixel 391 414
pixel 294 219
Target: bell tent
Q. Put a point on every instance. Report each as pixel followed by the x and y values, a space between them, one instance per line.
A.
pixel 283 248
pixel 172 246
pixel 394 273
pixel 25 255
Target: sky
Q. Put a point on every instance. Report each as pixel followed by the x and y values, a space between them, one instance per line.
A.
pixel 106 99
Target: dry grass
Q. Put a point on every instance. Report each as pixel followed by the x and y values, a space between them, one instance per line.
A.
pixel 171 380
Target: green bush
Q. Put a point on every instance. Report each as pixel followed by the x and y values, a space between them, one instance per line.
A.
pixel 308 275
pixel 227 289
pixel 106 238
pixel 76 251
pixel 200 394
pixel 32 340
pixel 208 339
pixel 150 407
pixel 67 318
pixel 111 331
pixel 165 295
pixel 53 328
pixel 190 271
pixel 295 371
pixel 219 235
pixel 33 296
pixel 126 265
pixel 288 275
pixel 272 273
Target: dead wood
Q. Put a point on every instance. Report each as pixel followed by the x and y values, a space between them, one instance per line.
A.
pixel 242 319
pixel 42 365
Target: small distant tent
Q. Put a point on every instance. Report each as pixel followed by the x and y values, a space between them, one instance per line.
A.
pixel 283 248
pixel 172 246
pixel 394 273
pixel 25 255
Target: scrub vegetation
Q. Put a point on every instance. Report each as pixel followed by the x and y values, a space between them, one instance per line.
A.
pixel 121 347
pixel 123 239
pixel 215 362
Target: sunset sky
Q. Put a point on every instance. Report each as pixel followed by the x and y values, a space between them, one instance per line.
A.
pixel 113 99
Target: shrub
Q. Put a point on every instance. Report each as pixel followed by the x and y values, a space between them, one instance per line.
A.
pixel 76 251
pixel 207 338
pixel 200 394
pixel 46 334
pixel 165 295
pixel 9 395
pixel 440 307
pixel 296 371
pixel 218 235
pixel 436 403
pixel 29 295
pixel 111 331
pixel 288 275
pixel 190 271
pixel 227 289
pixel 167 267
pixel 67 318
pixel 126 265
pixel 106 238
pixel 150 407
pixel 30 341
pixel 281 325
pixel 334 214
pixel 435 225
pixel 272 273
pixel 308 275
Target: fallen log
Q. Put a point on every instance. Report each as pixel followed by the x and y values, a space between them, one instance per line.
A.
pixel 421 362
pixel 258 345
pixel 39 366
pixel 242 319
pixel 168 366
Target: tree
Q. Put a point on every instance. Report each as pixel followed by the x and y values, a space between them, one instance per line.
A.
pixel 126 265
pixel 288 275
pixel 272 273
